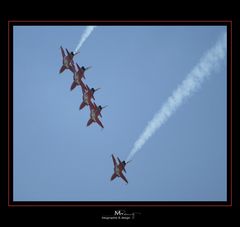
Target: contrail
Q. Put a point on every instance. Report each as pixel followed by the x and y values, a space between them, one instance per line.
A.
pixel 84 36
pixel 207 64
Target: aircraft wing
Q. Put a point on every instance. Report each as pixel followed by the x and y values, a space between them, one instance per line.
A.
pixel 67 52
pixel 114 161
pixel 89 122
pixel 83 104
pixel 63 54
pixel 79 68
pixel 74 84
pixel 119 160
pixel 87 87
pixel 62 69
pixel 123 177
pixel 95 106
pixel 99 122
pixel 113 176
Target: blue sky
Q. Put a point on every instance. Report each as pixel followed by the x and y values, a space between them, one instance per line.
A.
pixel 57 158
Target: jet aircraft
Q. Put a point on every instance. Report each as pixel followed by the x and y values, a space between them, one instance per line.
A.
pixel 118 168
pixel 67 60
pixel 95 112
pixel 88 94
pixel 78 75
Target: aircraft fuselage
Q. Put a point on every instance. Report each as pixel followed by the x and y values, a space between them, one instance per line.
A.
pixel 66 63
pixel 76 78
pixel 85 97
pixel 117 170
pixel 93 115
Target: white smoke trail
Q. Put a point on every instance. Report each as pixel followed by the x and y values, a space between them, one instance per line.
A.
pixel 208 63
pixel 86 33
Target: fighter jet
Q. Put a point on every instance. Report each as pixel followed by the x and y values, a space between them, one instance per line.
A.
pixel 88 94
pixel 95 111
pixel 67 60
pixel 78 75
pixel 118 168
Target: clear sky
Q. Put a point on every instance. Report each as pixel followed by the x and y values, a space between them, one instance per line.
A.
pixel 57 158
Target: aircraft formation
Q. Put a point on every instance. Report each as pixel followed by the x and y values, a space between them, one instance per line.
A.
pixel 87 93
pixel 87 97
